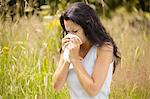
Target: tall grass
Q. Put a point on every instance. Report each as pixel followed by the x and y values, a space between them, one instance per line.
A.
pixel 29 52
pixel 132 33
pixel 28 58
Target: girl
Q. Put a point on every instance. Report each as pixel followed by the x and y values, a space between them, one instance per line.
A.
pixel 93 55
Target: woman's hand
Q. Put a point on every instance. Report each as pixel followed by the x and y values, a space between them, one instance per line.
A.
pixel 65 42
pixel 74 48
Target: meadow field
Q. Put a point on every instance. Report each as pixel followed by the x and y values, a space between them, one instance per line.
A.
pixel 29 53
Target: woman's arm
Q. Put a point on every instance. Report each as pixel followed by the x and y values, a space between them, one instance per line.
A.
pixel 92 84
pixel 60 74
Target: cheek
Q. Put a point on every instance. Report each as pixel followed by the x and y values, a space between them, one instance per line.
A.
pixel 83 38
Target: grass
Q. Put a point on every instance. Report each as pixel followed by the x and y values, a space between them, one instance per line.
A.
pixel 29 55
pixel 28 58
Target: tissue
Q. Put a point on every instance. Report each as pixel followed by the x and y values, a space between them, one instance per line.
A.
pixel 66 55
pixel 66 51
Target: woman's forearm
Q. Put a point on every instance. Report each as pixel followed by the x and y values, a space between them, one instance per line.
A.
pixel 60 74
pixel 84 78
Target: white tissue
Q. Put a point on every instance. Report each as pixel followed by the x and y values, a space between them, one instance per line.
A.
pixel 72 36
pixel 66 55
pixel 66 51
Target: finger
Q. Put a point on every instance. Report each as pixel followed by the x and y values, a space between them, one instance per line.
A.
pixel 64 40
pixel 76 41
pixel 72 45
pixel 79 40
pixel 69 46
pixel 65 45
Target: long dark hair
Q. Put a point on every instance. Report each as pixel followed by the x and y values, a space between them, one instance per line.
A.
pixel 83 15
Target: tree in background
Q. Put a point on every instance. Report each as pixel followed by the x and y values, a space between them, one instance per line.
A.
pixel 20 7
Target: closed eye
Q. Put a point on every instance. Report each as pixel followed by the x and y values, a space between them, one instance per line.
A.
pixel 75 31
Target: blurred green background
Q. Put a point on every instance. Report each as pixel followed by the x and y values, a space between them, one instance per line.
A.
pixel 30 37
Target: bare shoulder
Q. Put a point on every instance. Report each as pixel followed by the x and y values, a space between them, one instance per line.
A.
pixel 106 47
pixel 105 52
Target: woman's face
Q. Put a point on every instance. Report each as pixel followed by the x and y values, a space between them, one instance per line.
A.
pixel 73 28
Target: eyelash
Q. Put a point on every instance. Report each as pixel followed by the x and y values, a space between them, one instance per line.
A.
pixel 75 31
pixel 72 31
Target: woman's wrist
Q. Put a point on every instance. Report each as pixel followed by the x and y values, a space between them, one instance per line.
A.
pixel 67 64
pixel 76 60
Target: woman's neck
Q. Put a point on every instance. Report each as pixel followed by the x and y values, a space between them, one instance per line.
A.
pixel 84 48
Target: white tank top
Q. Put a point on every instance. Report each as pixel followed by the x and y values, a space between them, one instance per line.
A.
pixel 76 90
